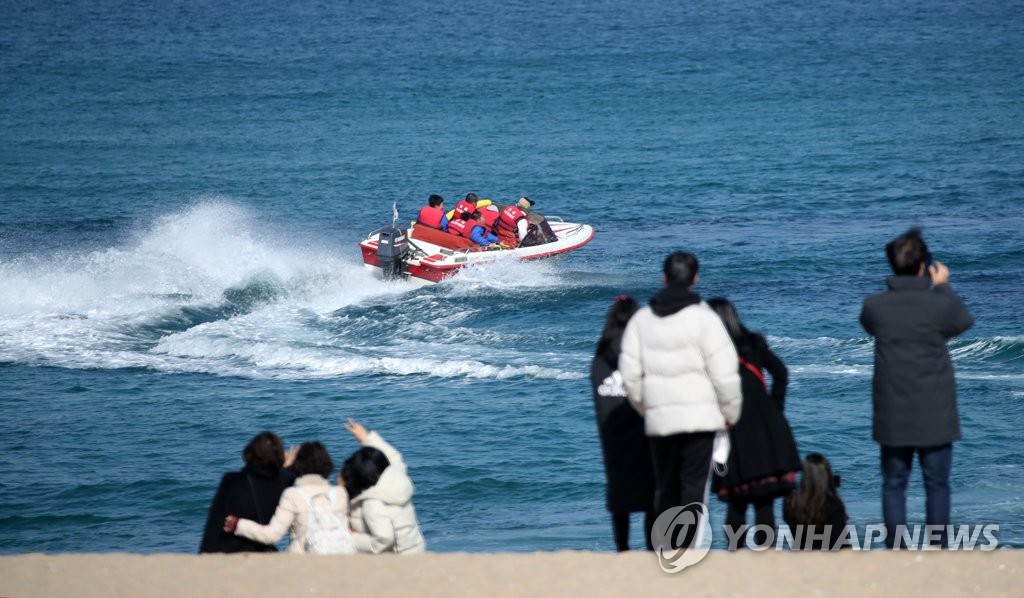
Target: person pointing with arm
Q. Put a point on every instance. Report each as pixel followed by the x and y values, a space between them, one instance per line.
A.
pixel 381 512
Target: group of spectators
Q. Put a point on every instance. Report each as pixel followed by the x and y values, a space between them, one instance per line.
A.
pixel 682 379
pixel 676 385
pixel 274 494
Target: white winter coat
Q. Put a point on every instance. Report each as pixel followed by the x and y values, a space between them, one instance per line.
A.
pixel 292 513
pixel 681 371
pixel 382 516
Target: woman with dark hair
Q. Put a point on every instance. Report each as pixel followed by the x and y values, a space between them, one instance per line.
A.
pixel 313 465
pixel 252 493
pixel 763 459
pixel 381 512
pixel 626 449
pixel 815 507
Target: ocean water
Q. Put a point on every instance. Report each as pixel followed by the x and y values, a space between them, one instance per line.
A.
pixel 183 186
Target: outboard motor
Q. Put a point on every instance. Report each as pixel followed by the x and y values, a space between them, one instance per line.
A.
pixel 392 250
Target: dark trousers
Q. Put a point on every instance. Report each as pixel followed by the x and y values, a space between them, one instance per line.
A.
pixel 936 463
pixel 620 525
pixel 764 514
pixel 681 466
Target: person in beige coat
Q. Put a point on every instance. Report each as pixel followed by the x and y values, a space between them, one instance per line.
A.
pixel 313 465
pixel 381 512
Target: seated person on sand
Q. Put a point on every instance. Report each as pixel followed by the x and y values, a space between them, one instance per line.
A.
pixel 380 509
pixel 432 214
pixel 470 225
pixel 252 492
pixel 814 512
pixel 313 465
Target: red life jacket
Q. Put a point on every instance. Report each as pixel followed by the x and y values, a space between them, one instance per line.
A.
pixel 489 217
pixel 430 216
pixel 463 206
pixel 462 228
pixel 507 226
pixel 509 219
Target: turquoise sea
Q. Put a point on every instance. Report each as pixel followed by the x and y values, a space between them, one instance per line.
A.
pixel 183 186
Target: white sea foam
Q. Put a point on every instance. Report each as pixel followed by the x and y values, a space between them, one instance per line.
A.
pixel 73 305
pixel 1007 377
pixel 255 352
pixel 982 348
pixel 839 369
pixel 505 273
pixel 129 306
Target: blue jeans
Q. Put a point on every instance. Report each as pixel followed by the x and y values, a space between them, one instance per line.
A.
pixel 936 462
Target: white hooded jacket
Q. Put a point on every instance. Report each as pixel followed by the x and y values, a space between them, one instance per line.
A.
pixel 382 516
pixel 681 370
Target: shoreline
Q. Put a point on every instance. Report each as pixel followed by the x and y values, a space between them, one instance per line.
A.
pixel 880 573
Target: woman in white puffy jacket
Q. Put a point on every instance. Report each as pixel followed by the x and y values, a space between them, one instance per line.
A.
pixel 314 466
pixel 381 512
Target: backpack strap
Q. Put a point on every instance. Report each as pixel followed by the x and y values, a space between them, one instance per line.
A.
pixel 309 496
pixel 755 370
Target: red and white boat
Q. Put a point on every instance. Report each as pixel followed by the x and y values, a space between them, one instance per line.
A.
pixel 424 255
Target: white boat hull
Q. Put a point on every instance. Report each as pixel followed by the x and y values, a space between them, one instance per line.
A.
pixel 431 262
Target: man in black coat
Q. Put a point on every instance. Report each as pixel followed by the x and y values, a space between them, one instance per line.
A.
pixel 914 391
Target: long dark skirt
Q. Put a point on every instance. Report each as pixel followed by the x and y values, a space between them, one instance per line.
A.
pixel 763 460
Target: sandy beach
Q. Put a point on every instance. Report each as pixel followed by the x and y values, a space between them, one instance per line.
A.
pixel 875 573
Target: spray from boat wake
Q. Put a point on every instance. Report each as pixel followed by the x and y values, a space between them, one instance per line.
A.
pixel 212 289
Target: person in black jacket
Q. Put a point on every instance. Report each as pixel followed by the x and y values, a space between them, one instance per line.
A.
pixel 626 449
pixel 815 513
pixel 913 389
pixel 763 458
pixel 252 493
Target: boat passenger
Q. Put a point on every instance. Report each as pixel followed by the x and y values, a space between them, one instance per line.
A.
pixel 432 214
pixel 471 226
pixel 512 224
pixel 465 205
pixel 488 213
